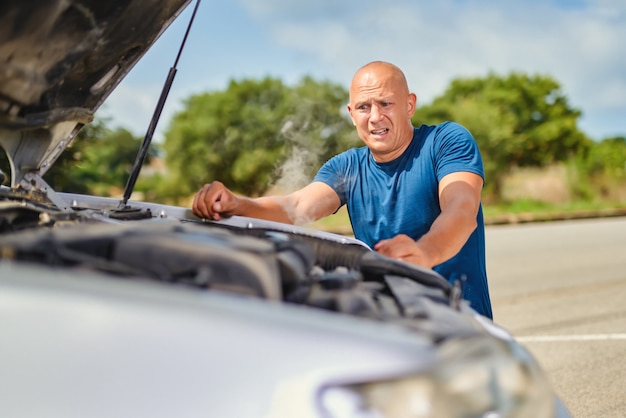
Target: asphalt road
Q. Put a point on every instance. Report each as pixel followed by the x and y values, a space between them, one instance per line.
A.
pixel 560 288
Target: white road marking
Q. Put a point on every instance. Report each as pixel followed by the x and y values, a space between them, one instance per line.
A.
pixel 561 338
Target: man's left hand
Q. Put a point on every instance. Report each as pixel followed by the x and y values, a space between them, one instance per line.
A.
pixel 404 248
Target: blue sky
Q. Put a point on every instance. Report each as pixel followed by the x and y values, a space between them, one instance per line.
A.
pixel 581 43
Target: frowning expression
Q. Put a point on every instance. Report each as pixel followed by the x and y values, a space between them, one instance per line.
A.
pixel 381 108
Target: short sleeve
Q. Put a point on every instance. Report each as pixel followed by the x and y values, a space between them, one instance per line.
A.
pixel 332 174
pixel 456 150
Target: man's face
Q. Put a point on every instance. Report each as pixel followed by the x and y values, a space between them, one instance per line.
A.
pixel 381 108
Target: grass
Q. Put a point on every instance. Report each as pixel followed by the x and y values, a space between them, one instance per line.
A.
pixel 518 211
pixel 339 222
pixel 537 207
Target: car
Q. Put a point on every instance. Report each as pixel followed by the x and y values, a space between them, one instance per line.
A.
pixel 122 308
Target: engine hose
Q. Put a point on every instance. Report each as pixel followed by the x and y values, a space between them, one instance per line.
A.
pixel 330 255
pixel 376 264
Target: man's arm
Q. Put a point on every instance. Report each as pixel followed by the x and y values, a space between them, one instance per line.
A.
pixel 459 198
pixel 303 206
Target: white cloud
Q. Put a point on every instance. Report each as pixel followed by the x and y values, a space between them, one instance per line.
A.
pixel 581 44
pixel 434 42
pixel 289 9
pixel 132 108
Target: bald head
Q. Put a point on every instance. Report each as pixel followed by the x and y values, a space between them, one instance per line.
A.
pixel 381 108
pixel 381 71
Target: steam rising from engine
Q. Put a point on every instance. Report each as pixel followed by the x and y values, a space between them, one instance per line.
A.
pixel 302 163
pixel 298 170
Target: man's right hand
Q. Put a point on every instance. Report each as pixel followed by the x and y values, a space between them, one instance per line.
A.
pixel 215 201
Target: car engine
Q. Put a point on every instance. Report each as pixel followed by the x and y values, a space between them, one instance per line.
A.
pixel 254 262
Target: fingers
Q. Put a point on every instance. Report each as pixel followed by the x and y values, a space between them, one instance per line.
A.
pixel 394 246
pixel 381 246
pixel 402 247
pixel 199 206
pixel 206 203
pixel 390 247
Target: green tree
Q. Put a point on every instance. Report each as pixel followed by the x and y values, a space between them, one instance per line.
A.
pixel 608 157
pixel 244 135
pixel 99 160
pixel 107 163
pixel 62 176
pixel 603 170
pixel 517 120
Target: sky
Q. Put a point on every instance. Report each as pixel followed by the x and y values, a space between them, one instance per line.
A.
pixel 579 43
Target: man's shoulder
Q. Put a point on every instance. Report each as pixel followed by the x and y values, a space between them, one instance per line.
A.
pixel 351 153
pixel 438 129
pixel 449 126
pixel 443 132
pixel 352 157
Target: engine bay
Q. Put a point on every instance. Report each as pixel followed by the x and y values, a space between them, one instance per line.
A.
pixel 263 263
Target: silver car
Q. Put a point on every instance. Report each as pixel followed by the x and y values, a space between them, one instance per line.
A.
pixel 114 308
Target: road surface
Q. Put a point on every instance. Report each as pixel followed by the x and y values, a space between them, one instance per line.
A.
pixel 560 288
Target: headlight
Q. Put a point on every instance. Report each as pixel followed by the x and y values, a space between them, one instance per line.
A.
pixel 483 377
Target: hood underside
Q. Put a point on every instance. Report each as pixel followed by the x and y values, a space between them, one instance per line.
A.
pixel 59 60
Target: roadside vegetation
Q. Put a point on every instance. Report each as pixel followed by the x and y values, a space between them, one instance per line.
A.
pixel 263 136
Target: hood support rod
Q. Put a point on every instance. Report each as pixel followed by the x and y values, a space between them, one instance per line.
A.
pixel 143 151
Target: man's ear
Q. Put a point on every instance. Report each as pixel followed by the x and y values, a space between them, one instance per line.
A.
pixel 412 103
pixel 350 112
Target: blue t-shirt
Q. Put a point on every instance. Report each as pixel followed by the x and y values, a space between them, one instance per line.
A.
pixel 401 197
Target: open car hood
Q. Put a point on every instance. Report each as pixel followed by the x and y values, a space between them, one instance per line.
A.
pixel 59 60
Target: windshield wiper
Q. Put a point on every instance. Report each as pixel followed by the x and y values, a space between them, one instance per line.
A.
pixel 143 151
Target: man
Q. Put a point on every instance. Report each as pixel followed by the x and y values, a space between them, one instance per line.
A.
pixel 412 194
